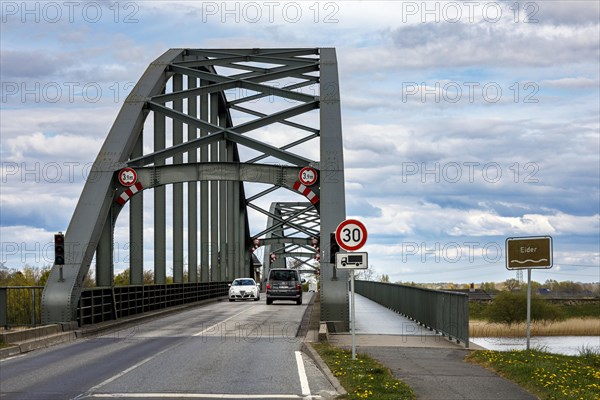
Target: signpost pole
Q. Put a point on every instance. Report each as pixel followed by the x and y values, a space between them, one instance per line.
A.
pixel 529 252
pixel 353 308
pixel 528 305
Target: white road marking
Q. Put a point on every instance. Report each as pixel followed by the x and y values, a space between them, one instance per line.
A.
pixel 199 396
pixel 245 310
pixel 120 374
pixel 302 374
pixel 144 361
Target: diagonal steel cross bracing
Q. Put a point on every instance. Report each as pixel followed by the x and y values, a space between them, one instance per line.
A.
pixel 213 137
pixel 292 233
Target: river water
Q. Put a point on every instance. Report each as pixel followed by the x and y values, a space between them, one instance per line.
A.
pixel 569 345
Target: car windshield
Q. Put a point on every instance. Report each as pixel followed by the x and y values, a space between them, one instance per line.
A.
pixel 283 275
pixel 243 282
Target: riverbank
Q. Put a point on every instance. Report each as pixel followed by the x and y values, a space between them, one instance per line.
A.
pixel 568 327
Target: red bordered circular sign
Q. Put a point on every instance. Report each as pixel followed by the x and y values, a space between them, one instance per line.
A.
pixel 307 176
pixel 127 177
pixel 351 235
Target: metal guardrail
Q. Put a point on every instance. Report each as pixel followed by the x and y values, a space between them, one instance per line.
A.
pixel 20 306
pixel 444 312
pixel 101 304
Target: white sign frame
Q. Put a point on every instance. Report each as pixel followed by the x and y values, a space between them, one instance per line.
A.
pixel 342 260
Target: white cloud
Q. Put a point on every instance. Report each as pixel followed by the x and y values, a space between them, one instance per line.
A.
pixel 401 151
pixel 572 83
pixel 59 147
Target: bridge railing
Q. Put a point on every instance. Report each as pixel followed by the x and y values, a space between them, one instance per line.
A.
pixel 445 312
pixel 20 306
pixel 101 304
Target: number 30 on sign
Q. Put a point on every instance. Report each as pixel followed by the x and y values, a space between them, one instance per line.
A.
pixel 351 235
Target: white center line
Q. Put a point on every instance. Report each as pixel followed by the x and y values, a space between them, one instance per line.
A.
pixel 199 396
pixel 144 361
pixel 221 322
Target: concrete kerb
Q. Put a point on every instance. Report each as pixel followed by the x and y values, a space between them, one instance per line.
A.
pixel 312 353
pixel 32 339
pixel 314 311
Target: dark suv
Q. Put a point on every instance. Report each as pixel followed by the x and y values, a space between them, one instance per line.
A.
pixel 284 284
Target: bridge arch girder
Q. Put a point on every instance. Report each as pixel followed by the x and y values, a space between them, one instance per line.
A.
pixel 182 94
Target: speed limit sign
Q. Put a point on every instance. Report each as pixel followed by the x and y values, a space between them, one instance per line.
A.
pixel 351 235
pixel 127 177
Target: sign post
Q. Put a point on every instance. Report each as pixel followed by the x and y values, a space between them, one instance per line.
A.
pixel 351 235
pixel 529 253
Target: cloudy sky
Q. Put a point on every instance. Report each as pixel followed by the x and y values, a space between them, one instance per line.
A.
pixel 464 123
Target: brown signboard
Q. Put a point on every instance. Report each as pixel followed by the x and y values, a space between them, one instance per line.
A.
pixel 529 252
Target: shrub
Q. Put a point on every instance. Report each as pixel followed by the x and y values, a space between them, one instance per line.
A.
pixel 510 308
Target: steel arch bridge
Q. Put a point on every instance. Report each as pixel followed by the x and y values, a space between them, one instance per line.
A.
pixel 200 125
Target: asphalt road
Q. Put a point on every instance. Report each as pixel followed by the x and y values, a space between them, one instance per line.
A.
pixel 222 350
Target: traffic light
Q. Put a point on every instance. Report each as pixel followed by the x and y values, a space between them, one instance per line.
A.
pixel 59 249
pixel 334 247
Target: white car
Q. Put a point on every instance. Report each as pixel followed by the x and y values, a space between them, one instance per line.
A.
pixel 244 289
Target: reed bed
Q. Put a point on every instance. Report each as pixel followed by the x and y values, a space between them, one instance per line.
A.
pixel 568 327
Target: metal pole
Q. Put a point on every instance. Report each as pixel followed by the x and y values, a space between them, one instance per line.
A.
pixel 528 305
pixel 353 315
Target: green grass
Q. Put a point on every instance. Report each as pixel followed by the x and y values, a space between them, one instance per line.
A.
pixel 363 378
pixel 549 376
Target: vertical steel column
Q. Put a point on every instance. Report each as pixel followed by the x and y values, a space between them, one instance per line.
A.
pixel 136 227
pixel 204 204
pixel 334 293
pixel 214 197
pixel 224 201
pixel 192 133
pixel 104 255
pixel 234 268
pixel 238 225
pixel 177 189
pixel 160 221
